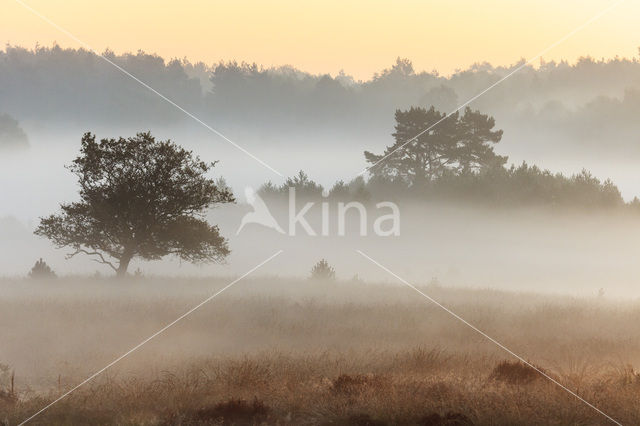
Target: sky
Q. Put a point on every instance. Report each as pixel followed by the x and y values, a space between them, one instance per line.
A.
pixel 361 37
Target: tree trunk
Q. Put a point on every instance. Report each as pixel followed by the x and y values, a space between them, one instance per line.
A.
pixel 123 265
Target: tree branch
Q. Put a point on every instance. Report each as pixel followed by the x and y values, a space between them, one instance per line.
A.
pixel 95 253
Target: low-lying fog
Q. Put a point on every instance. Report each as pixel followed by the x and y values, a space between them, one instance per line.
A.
pixel 54 336
pixel 519 249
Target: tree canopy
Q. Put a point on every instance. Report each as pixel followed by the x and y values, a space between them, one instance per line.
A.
pixel 139 198
pixel 429 144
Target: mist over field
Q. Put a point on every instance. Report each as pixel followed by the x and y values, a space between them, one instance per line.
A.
pixel 560 116
pixel 486 272
pixel 313 352
pixel 515 249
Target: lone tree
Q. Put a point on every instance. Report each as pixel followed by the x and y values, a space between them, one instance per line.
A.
pixel 139 198
pixel 456 144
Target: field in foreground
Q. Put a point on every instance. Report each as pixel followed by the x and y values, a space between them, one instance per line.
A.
pixel 277 351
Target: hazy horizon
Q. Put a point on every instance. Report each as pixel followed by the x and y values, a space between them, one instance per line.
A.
pixel 331 36
pixel 310 213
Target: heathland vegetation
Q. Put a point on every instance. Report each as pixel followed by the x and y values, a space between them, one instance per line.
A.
pixel 291 352
pixel 319 350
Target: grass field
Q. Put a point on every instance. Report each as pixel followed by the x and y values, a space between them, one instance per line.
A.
pixel 284 351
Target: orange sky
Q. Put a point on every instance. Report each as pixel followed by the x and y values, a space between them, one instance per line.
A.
pixel 361 37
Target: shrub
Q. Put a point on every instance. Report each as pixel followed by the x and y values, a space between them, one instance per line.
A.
pixel 356 383
pixel 231 412
pixel 364 420
pixel 41 270
pixel 449 419
pixel 323 271
pixel 515 373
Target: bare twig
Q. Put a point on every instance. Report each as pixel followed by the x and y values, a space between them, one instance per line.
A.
pixel 93 253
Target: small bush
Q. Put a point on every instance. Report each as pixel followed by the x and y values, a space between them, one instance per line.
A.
pixel 515 373
pixel 449 419
pixel 347 384
pixel 231 412
pixel 364 420
pixel 41 270
pixel 322 271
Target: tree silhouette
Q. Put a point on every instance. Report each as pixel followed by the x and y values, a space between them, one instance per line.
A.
pixel 11 134
pixel 455 143
pixel 139 198
pixel 322 271
pixel 41 270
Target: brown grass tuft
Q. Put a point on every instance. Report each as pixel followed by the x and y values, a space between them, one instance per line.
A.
pixel 515 373
pixel 364 420
pixel 356 383
pixel 449 419
pixel 231 412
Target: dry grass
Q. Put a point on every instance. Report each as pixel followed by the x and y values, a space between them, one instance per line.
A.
pixel 297 353
pixel 517 373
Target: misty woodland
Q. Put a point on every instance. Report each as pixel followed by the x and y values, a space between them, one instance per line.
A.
pixel 230 243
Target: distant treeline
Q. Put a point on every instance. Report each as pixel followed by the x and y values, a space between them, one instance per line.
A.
pixel 521 186
pixel 454 161
pixel 590 100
